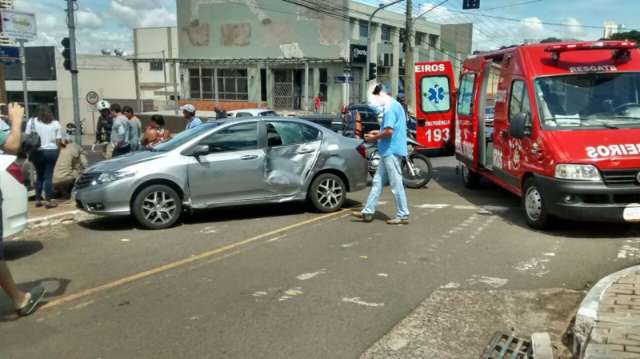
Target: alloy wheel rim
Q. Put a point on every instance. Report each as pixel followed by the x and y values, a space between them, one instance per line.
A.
pixel 533 204
pixel 158 207
pixel 329 193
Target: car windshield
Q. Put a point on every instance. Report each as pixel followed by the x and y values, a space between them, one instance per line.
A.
pixel 591 100
pixel 182 138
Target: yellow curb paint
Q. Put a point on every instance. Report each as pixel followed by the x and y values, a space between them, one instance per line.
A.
pixel 182 262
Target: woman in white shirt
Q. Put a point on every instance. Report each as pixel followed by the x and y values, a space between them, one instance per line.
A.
pixel 44 158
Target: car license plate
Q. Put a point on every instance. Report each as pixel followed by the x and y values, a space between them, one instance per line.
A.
pixel 631 213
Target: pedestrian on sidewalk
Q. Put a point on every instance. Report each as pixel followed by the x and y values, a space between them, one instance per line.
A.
pixel 105 122
pixel 120 132
pixel 317 103
pixel 392 147
pixel 189 114
pixel 45 157
pixel 24 302
pixel 155 132
pixel 135 128
pixel 71 162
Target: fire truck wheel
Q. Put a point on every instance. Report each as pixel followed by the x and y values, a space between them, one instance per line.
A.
pixel 533 206
pixel 471 179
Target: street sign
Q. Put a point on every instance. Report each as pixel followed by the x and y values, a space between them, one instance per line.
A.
pixel 18 25
pixel 9 54
pixel 359 54
pixel 344 78
pixel 92 97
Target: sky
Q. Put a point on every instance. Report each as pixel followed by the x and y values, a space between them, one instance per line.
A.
pixel 108 24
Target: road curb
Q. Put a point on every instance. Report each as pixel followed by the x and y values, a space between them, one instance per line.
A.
pixel 67 217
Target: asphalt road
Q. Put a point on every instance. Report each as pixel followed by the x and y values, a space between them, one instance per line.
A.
pixel 283 282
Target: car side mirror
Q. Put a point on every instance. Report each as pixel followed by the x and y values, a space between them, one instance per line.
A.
pixel 198 150
pixel 520 126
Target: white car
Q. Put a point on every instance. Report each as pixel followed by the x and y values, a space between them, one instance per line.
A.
pixel 252 112
pixel 14 193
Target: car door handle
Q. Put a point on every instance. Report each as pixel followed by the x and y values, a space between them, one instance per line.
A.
pixel 305 150
pixel 248 157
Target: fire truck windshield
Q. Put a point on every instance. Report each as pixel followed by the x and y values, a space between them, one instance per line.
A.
pixel 589 100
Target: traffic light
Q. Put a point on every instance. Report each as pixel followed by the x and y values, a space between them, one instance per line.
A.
pixel 66 53
pixel 470 4
pixel 373 70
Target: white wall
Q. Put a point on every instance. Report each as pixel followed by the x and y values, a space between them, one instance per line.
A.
pixel 111 77
pixel 150 43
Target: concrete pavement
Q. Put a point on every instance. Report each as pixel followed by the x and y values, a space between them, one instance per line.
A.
pixel 277 282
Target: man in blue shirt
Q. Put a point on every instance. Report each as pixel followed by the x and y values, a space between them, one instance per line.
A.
pixel 189 114
pixel 392 147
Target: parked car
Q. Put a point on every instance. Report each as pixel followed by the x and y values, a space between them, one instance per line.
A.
pixel 14 203
pixel 252 112
pixel 227 163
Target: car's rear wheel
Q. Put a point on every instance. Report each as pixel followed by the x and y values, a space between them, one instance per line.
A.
pixel 470 179
pixel 327 192
pixel 157 207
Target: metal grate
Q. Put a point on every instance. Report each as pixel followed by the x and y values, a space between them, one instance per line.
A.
pixel 283 89
pixel 620 177
pixel 506 346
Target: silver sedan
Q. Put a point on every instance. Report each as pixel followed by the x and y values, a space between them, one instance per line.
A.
pixel 230 163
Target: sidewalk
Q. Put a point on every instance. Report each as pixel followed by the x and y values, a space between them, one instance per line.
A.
pixel 40 217
pixel 608 321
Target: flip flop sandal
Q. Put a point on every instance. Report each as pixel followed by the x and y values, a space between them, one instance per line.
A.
pixel 37 293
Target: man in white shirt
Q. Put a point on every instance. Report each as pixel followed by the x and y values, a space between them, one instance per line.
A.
pixel 189 114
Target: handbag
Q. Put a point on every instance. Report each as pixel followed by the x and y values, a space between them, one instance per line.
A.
pixel 31 141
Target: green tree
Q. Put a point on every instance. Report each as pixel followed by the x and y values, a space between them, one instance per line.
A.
pixel 550 39
pixel 629 35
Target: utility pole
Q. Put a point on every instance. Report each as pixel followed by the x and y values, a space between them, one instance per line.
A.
pixel 23 67
pixel 71 23
pixel 409 68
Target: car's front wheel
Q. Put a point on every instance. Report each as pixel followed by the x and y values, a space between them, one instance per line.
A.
pixel 534 207
pixel 327 193
pixel 157 207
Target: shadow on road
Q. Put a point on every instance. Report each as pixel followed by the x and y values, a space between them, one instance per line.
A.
pixel 20 249
pixel 488 194
pixel 55 287
pixel 212 215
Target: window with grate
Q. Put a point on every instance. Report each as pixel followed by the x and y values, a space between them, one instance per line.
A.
pixel 156 66
pixel 386 33
pixel 233 84
pixel 364 29
pixel 194 83
pixel 323 84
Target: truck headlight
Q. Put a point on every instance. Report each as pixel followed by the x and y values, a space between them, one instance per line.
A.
pixel 107 177
pixel 578 172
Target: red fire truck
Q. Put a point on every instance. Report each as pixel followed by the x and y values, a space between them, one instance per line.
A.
pixel 557 124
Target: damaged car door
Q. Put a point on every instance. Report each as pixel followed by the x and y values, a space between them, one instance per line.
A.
pixel 229 169
pixel 291 154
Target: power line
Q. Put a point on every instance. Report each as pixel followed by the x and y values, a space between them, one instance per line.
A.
pixel 512 5
pixel 475 13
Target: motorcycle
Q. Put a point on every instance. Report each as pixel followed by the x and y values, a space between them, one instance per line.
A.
pixel 416 167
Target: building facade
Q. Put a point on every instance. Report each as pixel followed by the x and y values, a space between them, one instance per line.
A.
pixel 248 53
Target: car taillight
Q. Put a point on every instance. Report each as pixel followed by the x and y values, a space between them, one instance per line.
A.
pixel 16 172
pixel 362 150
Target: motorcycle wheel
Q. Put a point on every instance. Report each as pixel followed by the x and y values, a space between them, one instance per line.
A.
pixel 422 169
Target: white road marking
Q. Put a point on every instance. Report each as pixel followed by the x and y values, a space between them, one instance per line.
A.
pixel 470 208
pixel 348 245
pixel 629 249
pixel 494 282
pixel 209 230
pixel 432 205
pixel 125 240
pixel 356 300
pixel 275 239
pixel 549 254
pixel 259 294
pixel 290 293
pixel 385 275
pixel 307 276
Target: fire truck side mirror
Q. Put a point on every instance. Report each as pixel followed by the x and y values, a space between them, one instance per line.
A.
pixel 520 126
